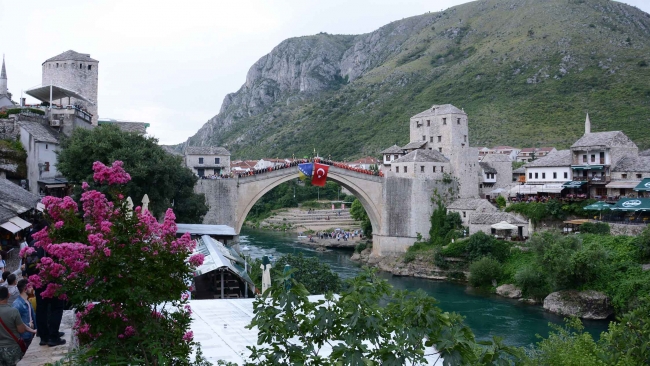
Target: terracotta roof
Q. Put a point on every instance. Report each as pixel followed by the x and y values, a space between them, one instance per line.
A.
pixel 493 218
pixel 633 164
pixel 392 150
pixel 40 132
pixel 422 156
pixel 366 160
pixel 439 110
pixel 603 139
pixel 556 158
pixel 206 150
pixel 414 145
pixel 243 164
pixel 71 55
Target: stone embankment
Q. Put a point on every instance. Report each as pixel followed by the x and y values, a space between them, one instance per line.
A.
pixel 301 220
pixel 421 267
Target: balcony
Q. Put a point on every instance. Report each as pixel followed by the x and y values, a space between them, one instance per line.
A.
pixel 594 180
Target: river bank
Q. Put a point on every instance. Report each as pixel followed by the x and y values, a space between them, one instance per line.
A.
pixel 308 220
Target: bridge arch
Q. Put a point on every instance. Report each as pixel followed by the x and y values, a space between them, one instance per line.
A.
pixel 367 188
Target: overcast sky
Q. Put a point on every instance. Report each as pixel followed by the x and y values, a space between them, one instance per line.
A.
pixel 171 63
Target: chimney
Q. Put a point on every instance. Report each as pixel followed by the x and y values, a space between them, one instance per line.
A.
pixel 587 125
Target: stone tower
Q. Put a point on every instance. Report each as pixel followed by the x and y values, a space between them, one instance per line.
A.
pixel 77 72
pixel 3 78
pixel 445 128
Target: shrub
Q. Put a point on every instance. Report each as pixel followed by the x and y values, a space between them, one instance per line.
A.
pixel 483 271
pixel 600 228
pixel 455 249
pixel 360 247
pixel 532 282
pixel 409 257
pixel 501 202
pixel 481 244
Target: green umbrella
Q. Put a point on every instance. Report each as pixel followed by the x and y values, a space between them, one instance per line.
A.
pixel 598 206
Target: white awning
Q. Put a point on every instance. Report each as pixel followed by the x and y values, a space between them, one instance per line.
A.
pixel 551 188
pixel 623 184
pixel 11 227
pixel 40 206
pixel 42 93
pixel 22 224
pixel 525 189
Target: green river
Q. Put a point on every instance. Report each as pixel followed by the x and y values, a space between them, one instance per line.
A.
pixel 487 314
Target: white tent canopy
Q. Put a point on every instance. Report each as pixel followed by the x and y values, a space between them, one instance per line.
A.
pixel 503 225
pixel 42 93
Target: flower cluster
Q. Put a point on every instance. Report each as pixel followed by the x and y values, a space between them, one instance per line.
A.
pixel 110 175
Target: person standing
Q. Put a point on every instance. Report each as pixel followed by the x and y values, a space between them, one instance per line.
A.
pixel 13 289
pixel 24 307
pixel 11 328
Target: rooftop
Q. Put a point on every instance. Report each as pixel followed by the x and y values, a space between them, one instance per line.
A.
pixel 489 218
pixel 422 156
pixel 496 158
pixel 469 204
pixel 603 139
pixel 392 150
pixel 206 150
pixel 366 160
pixel 520 170
pixel 40 132
pixel 414 145
pixel 126 126
pixel 439 110
pixel 71 55
pixel 633 164
pixel 15 200
pixel 487 168
pixel 555 158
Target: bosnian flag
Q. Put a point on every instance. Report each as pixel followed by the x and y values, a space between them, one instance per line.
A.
pixel 305 169
pixel 320 175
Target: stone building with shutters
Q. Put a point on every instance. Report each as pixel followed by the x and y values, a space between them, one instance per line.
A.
pixel 207 160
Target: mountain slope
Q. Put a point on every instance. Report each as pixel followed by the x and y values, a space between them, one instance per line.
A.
pixel 525 71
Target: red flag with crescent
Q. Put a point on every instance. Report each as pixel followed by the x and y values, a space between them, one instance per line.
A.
pixel 319 175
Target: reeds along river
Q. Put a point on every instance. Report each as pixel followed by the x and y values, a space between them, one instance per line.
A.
pixel 487 314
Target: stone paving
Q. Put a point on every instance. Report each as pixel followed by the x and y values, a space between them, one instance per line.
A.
pixel 40 355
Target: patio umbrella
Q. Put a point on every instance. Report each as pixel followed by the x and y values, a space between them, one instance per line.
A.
pixel 598 206
pixel 503 225
pixel 266 273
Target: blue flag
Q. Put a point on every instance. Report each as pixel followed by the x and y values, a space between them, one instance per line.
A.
pixel 306 169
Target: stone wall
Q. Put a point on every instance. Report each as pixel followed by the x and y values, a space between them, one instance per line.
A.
pixel 70 75
pixel 623 229
pixel 221 198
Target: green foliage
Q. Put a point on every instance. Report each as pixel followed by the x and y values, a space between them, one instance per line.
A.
pixel 13 152
pixel 144 160
pixel 532 281
pixel 484 271
pixel 481 244
pixel 360 247
pixel 359 213
pixel 443 224
pixel 409 256
pixel 456 249
pixel 368 323
pixel 599 228
pixel 501 202
pixel 642 243
pixel 553 209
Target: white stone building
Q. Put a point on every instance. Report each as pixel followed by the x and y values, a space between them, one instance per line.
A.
pixel 547 174
pixel 527 154
pixel 424 164
pixel 495 173
pixel 41 143
pixel 207 160
pixel 389 155
pixel 466 207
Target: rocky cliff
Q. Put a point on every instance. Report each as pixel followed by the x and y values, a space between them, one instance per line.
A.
pixel 526 72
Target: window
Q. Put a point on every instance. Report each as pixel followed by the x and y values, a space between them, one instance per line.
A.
pixel 566 175
pixel 530 175
pixel 200 172
pixel 90 67
pixel 536 175
pixel 457 121
pixel 584 158
pixel 395 157
pixel 602 157
pixel 434 168
pixel 46 166
pixel 439 138
pixel 396 169
pixel 442 169
pixel 417 124
pixel 405 169
pixel 428 122
pixel 638 176
pixel 464 138
pixel 217 160
pixel 57 65
pixel 593 158
pixel 46 146
pixel 424 138
pixel 200 160
pixel 81 66
pixel 421 168
pixel 440 149
pixel 464 214
pixel 623 175
pixel 554 175
pixel 444 121
pixel 543 175
pixel 431 139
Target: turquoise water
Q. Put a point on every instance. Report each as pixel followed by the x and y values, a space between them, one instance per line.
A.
pixel 487 314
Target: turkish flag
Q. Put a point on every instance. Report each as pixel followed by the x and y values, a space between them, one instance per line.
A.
pixel 319 175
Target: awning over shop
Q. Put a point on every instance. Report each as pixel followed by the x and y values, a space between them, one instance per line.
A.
pixel 54 182
pixel 632 204
pixel 574 184
pixel 623 184
pixel 644 186
pixel 587 167
pixel 11 227
pixel 215 260
pixel 551 188
pixel 22 224
pixel 524 189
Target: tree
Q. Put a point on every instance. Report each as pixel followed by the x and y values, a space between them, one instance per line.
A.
pixel 359 213
pixel 367 323
pixel 501 202
pixel 153 171
pixel 317 277
pixel 124 272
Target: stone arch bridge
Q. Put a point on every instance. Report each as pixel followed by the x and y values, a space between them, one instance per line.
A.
pixel 398 208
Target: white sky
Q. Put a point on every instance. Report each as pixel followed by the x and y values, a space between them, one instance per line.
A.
pixel 171 63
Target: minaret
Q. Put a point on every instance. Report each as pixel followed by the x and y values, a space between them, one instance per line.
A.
pixel 3 78
pixel 587 125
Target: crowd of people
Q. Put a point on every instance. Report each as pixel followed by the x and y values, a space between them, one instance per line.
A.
pixel 339 235
pixel 296 162
pixel 24 313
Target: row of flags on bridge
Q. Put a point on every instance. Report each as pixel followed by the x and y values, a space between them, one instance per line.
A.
pixel 317 172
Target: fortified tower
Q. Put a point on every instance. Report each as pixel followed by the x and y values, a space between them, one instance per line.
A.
pixel 445 128
pixel 77 72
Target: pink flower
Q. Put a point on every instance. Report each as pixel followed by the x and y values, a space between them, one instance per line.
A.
pixel 107 252
pixel 129 331
pixel 84 186
pixel 112 176
pixel 26 251
pixel 188 336
pixel 197 259
pixel 58 224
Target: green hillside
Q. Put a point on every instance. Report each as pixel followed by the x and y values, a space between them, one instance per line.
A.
pixel 526 72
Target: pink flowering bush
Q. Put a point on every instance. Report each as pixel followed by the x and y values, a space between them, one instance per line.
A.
pixel 125 273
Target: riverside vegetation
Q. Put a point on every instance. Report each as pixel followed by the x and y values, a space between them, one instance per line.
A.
pixel 528 66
